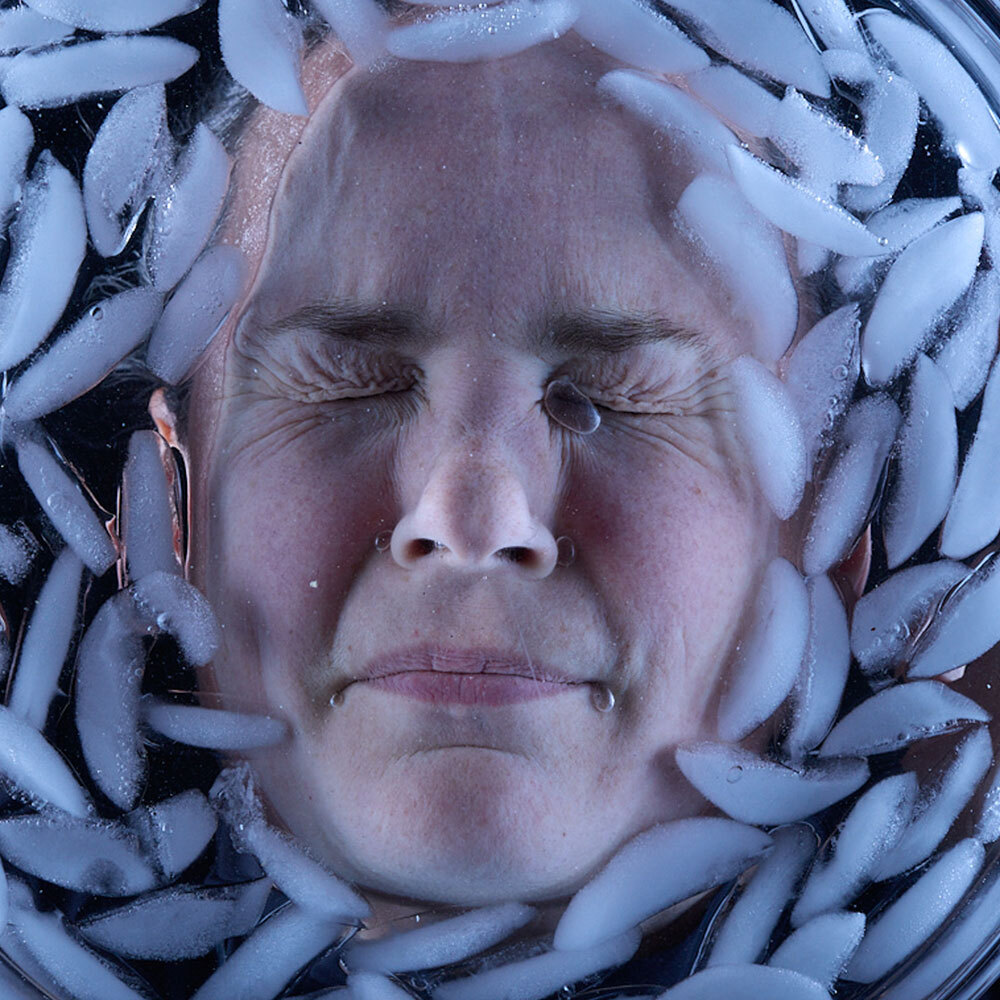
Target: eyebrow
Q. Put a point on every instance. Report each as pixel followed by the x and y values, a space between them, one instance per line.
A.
pixel 598 331
pixel 379 325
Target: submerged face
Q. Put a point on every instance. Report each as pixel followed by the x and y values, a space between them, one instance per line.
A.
pixel 445 243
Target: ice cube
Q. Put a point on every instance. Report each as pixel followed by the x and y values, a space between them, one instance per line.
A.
pixel 834 24
pixel 114 15
pixel 750 255
pixel 16 139
pixel 844 497
pixel 944 795
pixel 967 353
pixel 926 465
pixel 853 67
pixel 360 24
pixel 177 923
pixel 63 502
pixel 924 282
pixel 900 715
pixel 442 943
pixel 820 685
pixel 639 35
pixel 746 105
pixel 660 867
pixel 372 986
pixel 261 46
pixel 761 36
pixel 213 728
pixel 126 157
pixel 966 626
pixel 821 948
pixel 908 922
pixel 175 831
pixel 746 982
pixel 988 824
pixel 747 927
pixel 147 509
pixel 17 552
pixel 109 671
pixel 755 790
pixel 767 424
pixel 671 110
pixel 471 34
pixel 48 237
pixel 84 354
pixel 168 602
pixel 886 618
pixel 24 28
pixel 195 312
pixel 947 89
pixel 810 257
pixel 52 78
pixel 798 210
pixel 539 976
pixel 35 769
pixel 770 658
pixel 46 642
pixel 976 187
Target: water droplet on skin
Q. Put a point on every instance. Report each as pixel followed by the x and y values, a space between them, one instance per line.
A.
pixel 566 550
pixel 382 541
pixel 336 699
pixel 570 408
pixel 734 775
pixel 602 697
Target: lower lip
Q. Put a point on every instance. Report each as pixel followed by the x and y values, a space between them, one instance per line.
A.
pixel 446 688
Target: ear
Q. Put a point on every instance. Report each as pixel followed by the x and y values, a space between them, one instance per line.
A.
pixel 164 418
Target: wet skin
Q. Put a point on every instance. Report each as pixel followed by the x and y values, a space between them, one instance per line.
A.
pixel 445 241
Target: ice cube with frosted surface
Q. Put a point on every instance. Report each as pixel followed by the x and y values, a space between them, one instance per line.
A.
pixel 659 867
pixel 174 831
pixel 372 986
pixel 147 510
pixel 213 728
pixel 834 24
pixel 746 982
pixel 821 948
pixel 114 15
pixel 360 24
pixel 168 602
pixel 24 28
pixel 18 549
pixel 16 139
pixel 744 103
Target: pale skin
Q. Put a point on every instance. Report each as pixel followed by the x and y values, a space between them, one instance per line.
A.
pixel 444 242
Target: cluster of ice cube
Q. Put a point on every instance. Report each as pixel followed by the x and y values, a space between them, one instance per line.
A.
pixel 802 120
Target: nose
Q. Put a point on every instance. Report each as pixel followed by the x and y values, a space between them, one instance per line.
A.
pixel 473 512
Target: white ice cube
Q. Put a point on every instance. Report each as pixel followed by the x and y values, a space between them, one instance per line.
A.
pixel 167 602
pixel 147 509
pixel 746 982
pixel 24 28
pixel 213 728
pixel 16 139
pixel 114 15
pixel 821 948
pixel 746 105
pixel 360 24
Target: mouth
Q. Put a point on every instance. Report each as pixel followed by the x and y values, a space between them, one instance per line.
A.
pixel 484 677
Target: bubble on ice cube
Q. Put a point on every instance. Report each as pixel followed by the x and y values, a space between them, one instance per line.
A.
pixel 834 24
pixel 84 354
pixel 194 313
pixel 967 352
pixel 671 110
pixel 947 89
pixel 46 642
pixel 261 45
pixel 213 728
pixel 908 922
pixel 16 139
pixel 271 956
pixel 943 796
pixel 51 78
pixel 746 105
pixel 48 237
pixel 24 28
pixel 97 856
pixel 537 977
pixel 821 948
pixel 176 923
pixel 748 925
pixel 798 210
pixel 372 986
pixel 845 495
pixel 887 618
pixel 184 214
pixel 966 626
pixel 442 943
pixel 175 831
pixel 473 34
pixel 147 509
pixel 900 224
pixel 639 35
pixel 17 551
pixel 820 685
pixel 768 427
pixel 769 660
pixel 360 24
pixel 169 603
pixel 900 715
pixel 109 670
pixel 35 769
pixel 974 516
pixel 926 465
pixel 659 867
pixel 871 829
pixel 762 37
pixel 750 255
pixel 746 982
pixel 924 282
pixel 63 502
pixel 123 164
pixel 114 15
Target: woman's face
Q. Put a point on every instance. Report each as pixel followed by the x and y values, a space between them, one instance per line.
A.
pixel 444 243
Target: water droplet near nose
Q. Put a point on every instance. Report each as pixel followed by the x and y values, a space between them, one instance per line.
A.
pixel 570 408
pixel 602 697
pixel 382 541
pixel 734 775
pixel 566 551
pixel 336 699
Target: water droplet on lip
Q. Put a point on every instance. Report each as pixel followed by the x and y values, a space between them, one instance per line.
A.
pixel 336 699
pixel 566 550
pixel 382 541
pixel 602 697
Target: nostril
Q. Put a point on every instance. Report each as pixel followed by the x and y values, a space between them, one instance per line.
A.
pixel 418 547
pixel 518 554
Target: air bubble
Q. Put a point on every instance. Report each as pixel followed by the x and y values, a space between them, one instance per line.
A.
pixel 97 313
pixel 336 699
pixel 382 541
pixel 602 697
pixel 734 775
pixel 570 408
pixel 566 551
